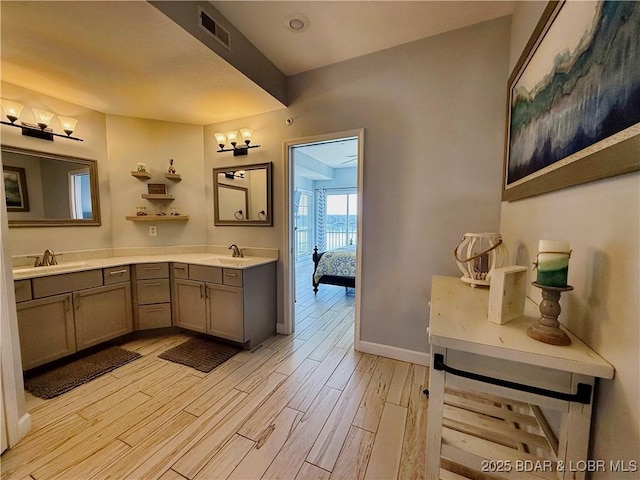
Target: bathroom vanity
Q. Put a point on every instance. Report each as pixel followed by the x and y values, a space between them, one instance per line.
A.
pixel 66 308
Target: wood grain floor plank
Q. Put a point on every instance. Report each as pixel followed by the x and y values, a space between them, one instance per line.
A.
pixel 227 459
pixel 266 413
pixel 171 475
pixel 93 465
pixel 400 384
pixel 311 472
pixel 292 455
pixel 327 446
pixel 344 370
pixel 161 460
pixel 303 399
pixel 354 457
pixel 256 462
pixel 412 462
pixel 120 467
pixel 370 409
pixel 200 452
pixel 387 447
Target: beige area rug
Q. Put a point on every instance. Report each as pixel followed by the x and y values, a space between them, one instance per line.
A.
pixel 203 354
pixel 65 378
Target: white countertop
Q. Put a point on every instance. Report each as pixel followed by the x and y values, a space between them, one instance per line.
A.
pixel 206 259
pixel 459 320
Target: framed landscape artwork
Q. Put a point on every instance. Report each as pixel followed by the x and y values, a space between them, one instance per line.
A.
pixel 15 188
pixel 573 113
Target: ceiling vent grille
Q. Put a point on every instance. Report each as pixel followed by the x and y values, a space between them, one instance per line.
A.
pixel 212 27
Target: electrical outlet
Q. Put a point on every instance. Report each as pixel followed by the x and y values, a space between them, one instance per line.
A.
pixel 153 231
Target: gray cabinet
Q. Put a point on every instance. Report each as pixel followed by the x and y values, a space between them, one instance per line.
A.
pixel 61 314
pixel 234 304
pixel 152 296
pixel 46 330
pixel 102 313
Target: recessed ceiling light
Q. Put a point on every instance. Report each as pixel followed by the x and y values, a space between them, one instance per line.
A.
pixel 296 22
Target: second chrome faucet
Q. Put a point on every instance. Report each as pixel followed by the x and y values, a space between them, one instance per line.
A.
pixel 236 252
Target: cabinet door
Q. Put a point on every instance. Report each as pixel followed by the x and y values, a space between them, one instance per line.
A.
pixel 189 305
pixel 46 330
pixel 225 312
pixel 102 313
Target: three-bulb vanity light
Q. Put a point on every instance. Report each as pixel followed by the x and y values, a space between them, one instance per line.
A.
pixel 12 111
pixel 232 138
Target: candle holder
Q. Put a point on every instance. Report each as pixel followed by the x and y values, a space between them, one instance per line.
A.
pixel 548 330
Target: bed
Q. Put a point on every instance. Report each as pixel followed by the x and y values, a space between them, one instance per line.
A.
pixel 334 267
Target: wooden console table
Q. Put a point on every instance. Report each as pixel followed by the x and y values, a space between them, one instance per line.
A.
pixel 469 353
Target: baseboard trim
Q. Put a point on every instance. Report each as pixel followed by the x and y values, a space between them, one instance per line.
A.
pixel 24 425
pixel 396 353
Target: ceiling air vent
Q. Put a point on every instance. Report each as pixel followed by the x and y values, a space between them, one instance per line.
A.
pixel 212 27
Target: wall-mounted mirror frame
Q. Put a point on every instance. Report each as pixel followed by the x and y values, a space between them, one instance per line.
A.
pixel 242 195
pixel 85 211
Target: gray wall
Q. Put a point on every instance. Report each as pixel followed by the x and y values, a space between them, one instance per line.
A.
pixel 601 220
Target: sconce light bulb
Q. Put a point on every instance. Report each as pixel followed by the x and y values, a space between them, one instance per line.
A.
pixel 232 137
pixel 68 124
pixel 12 110
pixel 42 117
pixel 246 135
pixel 221 138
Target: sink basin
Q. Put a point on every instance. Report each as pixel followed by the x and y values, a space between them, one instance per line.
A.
pixel 236 262
pixel 61 267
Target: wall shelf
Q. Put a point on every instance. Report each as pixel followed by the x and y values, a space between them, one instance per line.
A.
pixel 173 176
pixel 140 174
pixel 158 218
pixel 158 196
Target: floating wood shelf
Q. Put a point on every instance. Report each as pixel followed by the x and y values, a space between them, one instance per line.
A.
pixel 140 174
pixel 158 218
pixel 173 176
pixel 158 196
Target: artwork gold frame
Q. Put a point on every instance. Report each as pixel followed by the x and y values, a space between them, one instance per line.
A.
pixel 573 100
pixel 157 188
pixel 15 187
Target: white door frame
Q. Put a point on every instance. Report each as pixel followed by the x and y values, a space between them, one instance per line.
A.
pixel 288 258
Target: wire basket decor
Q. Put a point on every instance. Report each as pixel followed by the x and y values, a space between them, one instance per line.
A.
pixel 478 254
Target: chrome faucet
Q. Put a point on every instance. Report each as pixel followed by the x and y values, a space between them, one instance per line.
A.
pixel 236 251
pixel 48 258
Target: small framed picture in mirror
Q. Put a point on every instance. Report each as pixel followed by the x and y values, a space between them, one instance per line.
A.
pixel 157 188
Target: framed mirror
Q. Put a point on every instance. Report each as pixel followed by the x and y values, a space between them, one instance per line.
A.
pixel 44 189
pixel 242 195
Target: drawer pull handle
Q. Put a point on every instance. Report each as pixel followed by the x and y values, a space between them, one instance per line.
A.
pixel 179 268
pixel 151 268
pixel 149 310
pixel 231 274
pixel 582 395
pixel 155 284
pixel 118 272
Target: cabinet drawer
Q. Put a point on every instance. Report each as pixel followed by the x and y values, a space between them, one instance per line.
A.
pixel 23 290
pixel 180 270
pixel 205 274
pixel 67 282
pixel 155 290
pixel 231 276
pixel 154 316
pixel 152 270
pixel 116 274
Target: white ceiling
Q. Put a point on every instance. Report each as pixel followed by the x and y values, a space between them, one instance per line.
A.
pixel 127 58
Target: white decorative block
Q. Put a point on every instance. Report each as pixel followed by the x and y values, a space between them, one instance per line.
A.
pixel 507 293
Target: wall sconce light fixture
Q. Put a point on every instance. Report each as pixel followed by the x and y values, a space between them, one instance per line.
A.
pixel 12 111
pixel 232 138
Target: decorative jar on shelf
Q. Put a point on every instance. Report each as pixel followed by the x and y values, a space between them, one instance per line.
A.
pixel 478 254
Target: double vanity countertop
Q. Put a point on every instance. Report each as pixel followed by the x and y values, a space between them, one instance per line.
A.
pixel 205 259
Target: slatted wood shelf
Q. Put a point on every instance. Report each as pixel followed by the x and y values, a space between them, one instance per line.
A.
pixel 173 176
pixel 158 196
pixel 140 174
pixel 158 218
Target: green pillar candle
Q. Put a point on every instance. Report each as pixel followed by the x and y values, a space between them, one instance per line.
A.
pixel 553 263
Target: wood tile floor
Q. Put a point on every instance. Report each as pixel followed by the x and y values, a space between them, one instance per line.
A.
pixel 304 406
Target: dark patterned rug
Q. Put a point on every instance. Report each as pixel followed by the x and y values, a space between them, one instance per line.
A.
pixel 203 354
pixel 65 378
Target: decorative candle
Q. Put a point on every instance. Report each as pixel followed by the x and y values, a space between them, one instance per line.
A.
pixel 553 263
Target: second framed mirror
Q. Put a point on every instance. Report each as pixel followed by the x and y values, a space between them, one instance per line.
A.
pixel 242 195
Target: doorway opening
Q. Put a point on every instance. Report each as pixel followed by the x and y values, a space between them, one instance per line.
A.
pixel 324 213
